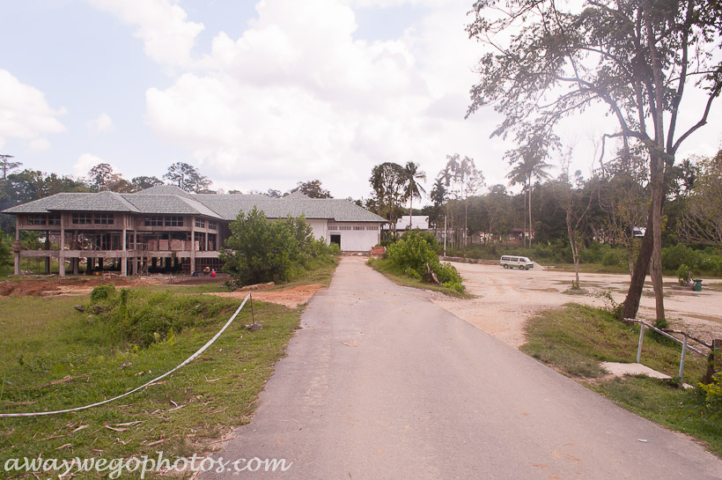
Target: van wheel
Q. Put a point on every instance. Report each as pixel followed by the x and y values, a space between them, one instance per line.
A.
pixel 506 266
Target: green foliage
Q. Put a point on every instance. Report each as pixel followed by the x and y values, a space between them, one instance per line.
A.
pixel 102 292
pixel 142 317
pixel 411 255
pixel 578 337
pixel 713 392
pixel 683 274
pixel 5 250
pixel 701 261
pixel 71 359
pixel 260 250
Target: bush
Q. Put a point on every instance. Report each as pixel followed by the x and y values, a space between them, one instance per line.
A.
pixel 611 259
pixel 102 292
pixel 261 251
pixel 140 317
pixel 713 392
pixel 411 255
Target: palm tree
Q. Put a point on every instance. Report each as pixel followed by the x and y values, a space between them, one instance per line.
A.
pixel 526 167
pixel 412 188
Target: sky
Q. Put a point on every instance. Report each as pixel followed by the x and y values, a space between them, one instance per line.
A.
pixel 256 94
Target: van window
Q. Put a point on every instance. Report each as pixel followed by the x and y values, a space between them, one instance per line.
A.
pixel 514 259
pixel 505 258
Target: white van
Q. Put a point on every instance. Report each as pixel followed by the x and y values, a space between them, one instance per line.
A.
pixel 522 263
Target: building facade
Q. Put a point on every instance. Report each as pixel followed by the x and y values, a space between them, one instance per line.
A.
pixel 166 226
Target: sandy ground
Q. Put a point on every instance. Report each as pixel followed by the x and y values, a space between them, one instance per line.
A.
pixel 507 299
pixel 291 298
pixel 76 286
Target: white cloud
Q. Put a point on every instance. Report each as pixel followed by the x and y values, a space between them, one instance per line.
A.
pixel 297 97
pixel 167 35
pixel 103 123
pixel 39 144
pixel 24 112
pixel 85 162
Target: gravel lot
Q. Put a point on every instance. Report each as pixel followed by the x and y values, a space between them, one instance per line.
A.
pixel 507 299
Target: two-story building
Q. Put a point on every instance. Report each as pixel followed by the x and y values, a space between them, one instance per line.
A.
pixel 165 225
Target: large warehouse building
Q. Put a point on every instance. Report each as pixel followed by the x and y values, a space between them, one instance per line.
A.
pixel 165 225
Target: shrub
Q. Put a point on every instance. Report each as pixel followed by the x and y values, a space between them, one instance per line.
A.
pixel 611 259
pixel 140 317
pixel 260 251
pixel 713 392
pixel 102 292
pixel 412 253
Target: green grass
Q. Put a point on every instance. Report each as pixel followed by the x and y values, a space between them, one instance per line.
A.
pixel 54 357
pixel 576 339
pixel 384 267
pixel 661 402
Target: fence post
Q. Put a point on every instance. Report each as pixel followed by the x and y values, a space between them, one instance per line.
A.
pixel 681 361
pixel 641 339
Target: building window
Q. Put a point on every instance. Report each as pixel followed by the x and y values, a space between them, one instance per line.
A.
pixel 200 223
pixel 213 225
pixel 342 227
pixel 173 221
pixel 36 220
pixel 153 221
pixel 373 228
pixel 358 228
pixel 82 218
pixel 54 220
pixel 333 227
pixel 104 218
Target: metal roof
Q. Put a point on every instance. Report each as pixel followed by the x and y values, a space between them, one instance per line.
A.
pixel 171 200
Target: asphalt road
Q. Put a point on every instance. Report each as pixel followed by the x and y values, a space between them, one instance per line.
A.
pixel 382 384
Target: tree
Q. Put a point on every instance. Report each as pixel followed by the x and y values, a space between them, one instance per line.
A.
pixel 7 165
pixel 701 223
pixel 462 179
pixel 258 250
pixel 100 176
pixel 142 183
pixel 187 177
pixel 312 189
pixel 387 181
pixel 635 57
pixel 576 212
pixel 624 199
pixel 274 193
pixel 528 163
pixel 412 187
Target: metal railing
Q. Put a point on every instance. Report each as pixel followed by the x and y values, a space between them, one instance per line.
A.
pixel 667 332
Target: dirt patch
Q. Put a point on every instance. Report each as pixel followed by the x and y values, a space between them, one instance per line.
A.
pixel 73 286
pixel 291 298
pixel 507 299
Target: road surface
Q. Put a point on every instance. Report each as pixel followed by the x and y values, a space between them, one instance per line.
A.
pixel 380 383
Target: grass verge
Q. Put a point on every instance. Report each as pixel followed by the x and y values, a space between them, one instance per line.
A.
pixel 576 339
pixel 384 267
pixel 55 357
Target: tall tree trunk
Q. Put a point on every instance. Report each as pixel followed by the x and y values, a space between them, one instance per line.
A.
pixel 641 267
pixel 657 197
pixel 529 211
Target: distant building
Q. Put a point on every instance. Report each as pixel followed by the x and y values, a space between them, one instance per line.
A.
pixel 166 225
pixel 410 223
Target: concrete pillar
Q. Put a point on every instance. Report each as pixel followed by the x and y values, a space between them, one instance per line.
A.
pixel 61 253
pixel 124 251
pixel 17 246
pixel 193 245
pixel 48 246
